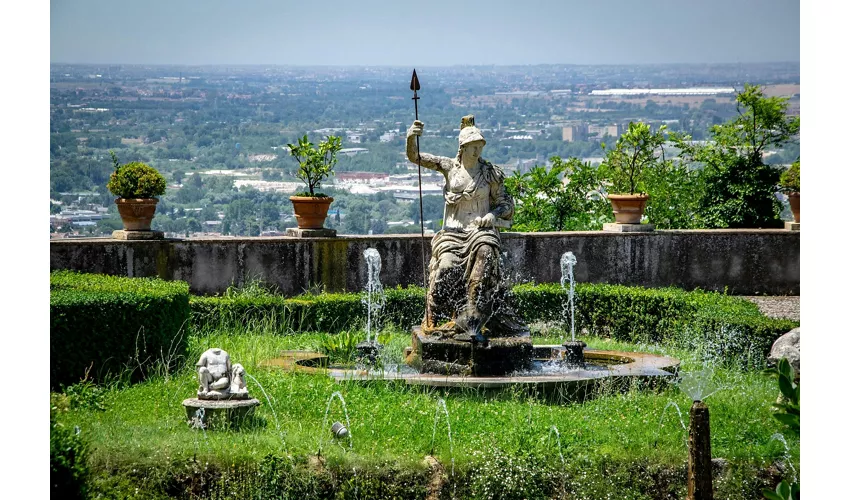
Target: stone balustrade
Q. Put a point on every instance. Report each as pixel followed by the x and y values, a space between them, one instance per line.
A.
pixel 743 262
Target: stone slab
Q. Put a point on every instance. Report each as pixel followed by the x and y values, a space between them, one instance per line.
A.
pixel 792 226
pixel 121 234
pixel 628 228
pixel 502 355
pixel 221 413
pixel 297 232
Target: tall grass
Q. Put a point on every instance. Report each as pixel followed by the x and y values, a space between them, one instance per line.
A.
pixel 618 441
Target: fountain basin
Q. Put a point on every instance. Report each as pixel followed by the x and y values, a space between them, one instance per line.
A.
pixel 548 375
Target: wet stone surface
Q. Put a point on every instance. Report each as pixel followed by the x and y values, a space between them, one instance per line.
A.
pixel 501 356
pixel 219 414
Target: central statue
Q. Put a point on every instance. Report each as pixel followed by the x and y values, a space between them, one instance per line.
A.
pixel 466 299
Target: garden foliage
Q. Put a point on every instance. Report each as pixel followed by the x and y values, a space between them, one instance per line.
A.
pixel 789 180
pixel 788 410
pixel 633 158
pixel 565 197
pixel 315 163
pixel 135 180
pixel 69 470
pixel 738 190
pixel 105 326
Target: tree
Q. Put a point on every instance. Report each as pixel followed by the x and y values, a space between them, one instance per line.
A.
pixel 194 226
pixel 315 163
pixel 432 207
pixel 545 202
pixel 630 163
pixel 178 175
pixel 673 189
pixel 196 181
pixel 239 216
pixel 357 217
pixel 737 188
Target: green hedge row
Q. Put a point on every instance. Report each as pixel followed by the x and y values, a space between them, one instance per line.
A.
pixel 627 313
pixel 326 312
pixel 113 326
pixel 726 327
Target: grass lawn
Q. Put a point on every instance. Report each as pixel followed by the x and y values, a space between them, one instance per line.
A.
pixel 619 444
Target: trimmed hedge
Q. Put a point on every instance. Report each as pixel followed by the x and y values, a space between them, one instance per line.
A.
pixel 634 314
pixel 114 326
pixel 327 312
pixel 731 327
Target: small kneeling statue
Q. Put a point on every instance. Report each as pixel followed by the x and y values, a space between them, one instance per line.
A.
pixel 218 378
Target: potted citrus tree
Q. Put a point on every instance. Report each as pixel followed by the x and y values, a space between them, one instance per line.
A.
pixel 136 185
pixel 314 165
pixel 789 183
pixel 626 168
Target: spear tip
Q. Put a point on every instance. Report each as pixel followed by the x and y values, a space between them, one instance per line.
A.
pixel 414 81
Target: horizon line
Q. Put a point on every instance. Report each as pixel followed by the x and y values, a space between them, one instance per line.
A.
pixel 418 66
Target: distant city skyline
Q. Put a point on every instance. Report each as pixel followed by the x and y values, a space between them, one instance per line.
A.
pixel 434 33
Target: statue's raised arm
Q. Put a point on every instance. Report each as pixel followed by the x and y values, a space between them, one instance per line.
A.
pixel 441 164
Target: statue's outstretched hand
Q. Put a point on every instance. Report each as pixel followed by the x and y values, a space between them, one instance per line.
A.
pixel 487 221
pixel 416 128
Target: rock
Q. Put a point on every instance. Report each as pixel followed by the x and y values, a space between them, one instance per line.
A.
pixel 787 346
pixel 719 466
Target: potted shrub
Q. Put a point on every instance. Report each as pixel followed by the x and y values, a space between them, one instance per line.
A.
pixel 789 182
pixel 625 170
pixel 136 185
pixel 315 164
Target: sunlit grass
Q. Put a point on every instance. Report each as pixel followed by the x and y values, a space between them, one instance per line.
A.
pixel 146 423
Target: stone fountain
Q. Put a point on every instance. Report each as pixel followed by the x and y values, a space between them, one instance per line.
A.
pixel 471 336
pixel 222 393
pixel 470 327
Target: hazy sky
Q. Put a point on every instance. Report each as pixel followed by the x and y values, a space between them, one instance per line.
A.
pixel 423 33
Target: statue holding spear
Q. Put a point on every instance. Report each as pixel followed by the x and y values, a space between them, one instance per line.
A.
pixel 466 296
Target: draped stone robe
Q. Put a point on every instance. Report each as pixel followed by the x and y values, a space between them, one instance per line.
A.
pixel 465 293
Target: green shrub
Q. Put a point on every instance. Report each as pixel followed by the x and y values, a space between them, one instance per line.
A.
pixel 340 348
pixel 789 180
pixel 86 396
pixel 106 326
pixel 68 466
pixel 326 312
pixel 135 180
pixel 724 327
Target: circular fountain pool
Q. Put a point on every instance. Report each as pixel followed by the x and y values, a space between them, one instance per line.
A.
pixel 548 374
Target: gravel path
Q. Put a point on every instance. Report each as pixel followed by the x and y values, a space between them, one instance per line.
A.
pixel 778 307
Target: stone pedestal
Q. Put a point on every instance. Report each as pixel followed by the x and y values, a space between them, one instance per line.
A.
pixel 792 226
pixel 297 232
pixel 628 228
pixel 121 234
pixel 219 414
pixel 502 356
pixel 574 352
pixel 368 352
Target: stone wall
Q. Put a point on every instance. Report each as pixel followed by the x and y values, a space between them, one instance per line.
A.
pixel 745 262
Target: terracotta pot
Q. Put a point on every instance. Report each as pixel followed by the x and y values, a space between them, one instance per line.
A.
pixel 310 212
pixel 628 208
pixel 794 201
pixel 136 213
